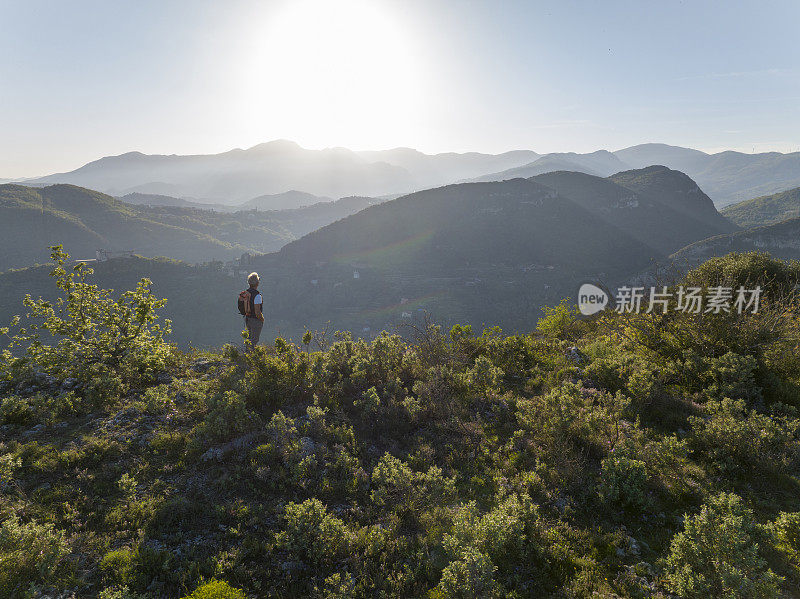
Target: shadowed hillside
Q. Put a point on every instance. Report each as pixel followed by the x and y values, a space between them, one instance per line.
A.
pixel 662 208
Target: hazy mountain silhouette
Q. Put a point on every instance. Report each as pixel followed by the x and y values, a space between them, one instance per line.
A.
pixel 601 163
pixel 152 199
pixel 727 177
pixel 272 168
pixel 283 201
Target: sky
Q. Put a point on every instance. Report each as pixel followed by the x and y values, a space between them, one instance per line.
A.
pixel 84 79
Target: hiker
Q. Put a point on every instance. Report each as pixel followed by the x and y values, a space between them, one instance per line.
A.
pixel 251 305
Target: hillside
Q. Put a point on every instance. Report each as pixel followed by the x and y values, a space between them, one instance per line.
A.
pixel 85 220
pixel 32 219
pixel 765 210
pixel 662 208
pixel 479 253
pixel 483 253
pixel 573 460
pixel 675 190
pixel 781 240
pixel 283 201
pixel 152 199
pixel 727 177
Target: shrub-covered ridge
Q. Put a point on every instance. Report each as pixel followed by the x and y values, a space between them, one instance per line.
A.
pixel 622 456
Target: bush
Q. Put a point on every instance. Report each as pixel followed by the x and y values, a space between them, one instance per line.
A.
pixel 786 532
pixel 216 589
pixel 227 417
pixel 313 536
pixel 30 554
pixel 731 375
pixel 119 592
pixel 468 577
pixel 717 555
pixel 623 482
pixel 560 322
pixel 741 441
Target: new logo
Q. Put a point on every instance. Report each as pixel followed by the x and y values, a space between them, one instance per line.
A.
pixel 591 299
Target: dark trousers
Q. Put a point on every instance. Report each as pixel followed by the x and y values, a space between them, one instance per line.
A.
pixel 253 326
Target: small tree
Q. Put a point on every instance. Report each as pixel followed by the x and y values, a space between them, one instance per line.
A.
pixel 91 330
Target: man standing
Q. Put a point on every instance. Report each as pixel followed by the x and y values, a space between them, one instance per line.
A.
pixel 254 315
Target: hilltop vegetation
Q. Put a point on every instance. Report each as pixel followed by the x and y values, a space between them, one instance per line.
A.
pixel 765 210
pixel 623 456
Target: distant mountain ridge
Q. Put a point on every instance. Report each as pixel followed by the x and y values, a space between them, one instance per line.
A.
pixel 727 177
pixel 274 167
pixel 600 163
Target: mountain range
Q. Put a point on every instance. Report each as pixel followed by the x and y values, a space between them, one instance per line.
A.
pixel 727 177
pixel 273 168
pixel 489 252
pixel 482 253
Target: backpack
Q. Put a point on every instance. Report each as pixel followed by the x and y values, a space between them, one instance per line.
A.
pixel 246 302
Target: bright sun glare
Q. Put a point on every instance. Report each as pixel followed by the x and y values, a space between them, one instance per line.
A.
pixel 324 73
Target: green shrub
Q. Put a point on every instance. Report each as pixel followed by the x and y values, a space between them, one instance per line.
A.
pixel 313 536
pixel 119 592
pixel 786 531
pixel 731 375
pixel 623 482
pixel 561 321
pixel 468 577
pixel 117 564
pixel 216 589
pixel 740 441
pixel 717 555
pixel 30 553
pixel 102 341
pixel 227 417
